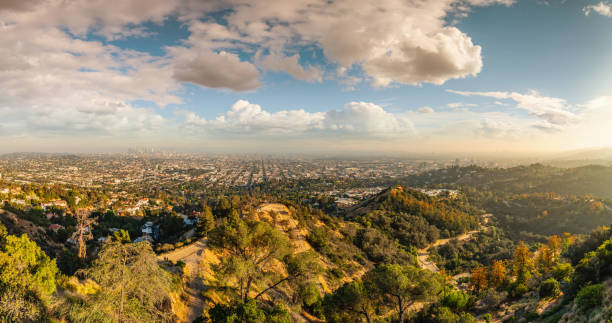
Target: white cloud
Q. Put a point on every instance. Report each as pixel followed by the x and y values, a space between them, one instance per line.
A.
pixel 602 8
pixel 78 122
pixel 425 110
pixel 393 41
pixel 554 112
pixel 217 70
pixel 366 118
pixel 245 117
pixel 456 105
pixel 358 118
pixel 291 65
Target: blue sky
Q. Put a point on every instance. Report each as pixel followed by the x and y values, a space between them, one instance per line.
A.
pixel 389 77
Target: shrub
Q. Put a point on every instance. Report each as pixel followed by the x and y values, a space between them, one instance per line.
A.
pixel 456 301
pixel 520 290
pixel 336 273
pixel 532 316
pixel 487 317
pixel 445 315
pixel 550 288
pixel 467 318
pixel 562 272
pixel 555 318
pixel 590 296
pixel 492 298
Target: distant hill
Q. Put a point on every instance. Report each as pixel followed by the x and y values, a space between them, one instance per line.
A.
pixel 595 180
pixel 415 218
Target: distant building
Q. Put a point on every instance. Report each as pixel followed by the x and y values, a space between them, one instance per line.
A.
pixel 144 238
pixel 54 227
pixel 59 204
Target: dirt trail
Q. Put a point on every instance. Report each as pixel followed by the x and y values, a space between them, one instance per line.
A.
pixel 191 255
pixel 423 255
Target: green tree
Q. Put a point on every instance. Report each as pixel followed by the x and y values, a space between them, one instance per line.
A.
pixel 206 221
pixel 122 236
pixel 248 312
pixel 133 288
pixel 550 288
pixel 590 296
pixel 401 286
pixel 349 303
pixel 253 248
pixel 27 277
pixel 522 264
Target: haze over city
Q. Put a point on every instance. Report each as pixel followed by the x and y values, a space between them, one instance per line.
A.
pixel 311 76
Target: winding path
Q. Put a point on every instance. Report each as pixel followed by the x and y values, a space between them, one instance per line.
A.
pixel 423 255
pixel 191 255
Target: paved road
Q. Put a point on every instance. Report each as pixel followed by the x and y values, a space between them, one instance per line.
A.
pixel 191 255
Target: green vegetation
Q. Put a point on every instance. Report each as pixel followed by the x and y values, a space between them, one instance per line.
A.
pixel 550 288
pixel 590 296
pixel 131 287
pixel 27 278
pixel 317 260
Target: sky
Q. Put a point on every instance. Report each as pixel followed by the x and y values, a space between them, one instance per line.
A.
pixel 389 77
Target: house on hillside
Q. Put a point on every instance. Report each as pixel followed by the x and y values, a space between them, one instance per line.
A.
pixel 55 227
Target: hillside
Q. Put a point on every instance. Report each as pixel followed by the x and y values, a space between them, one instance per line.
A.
pixel 402 255
pixel 415 218
pixel 537 178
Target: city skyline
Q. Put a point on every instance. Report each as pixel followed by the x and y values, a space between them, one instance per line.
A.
pixel 318 77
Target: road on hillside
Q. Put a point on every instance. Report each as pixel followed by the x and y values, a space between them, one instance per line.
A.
pixel 191 255
pixel 423 254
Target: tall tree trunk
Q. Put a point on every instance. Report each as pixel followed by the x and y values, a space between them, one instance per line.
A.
pixel 267 289
pixel 247 289
pixel 367 316
pixel 400 309
pixel 121 301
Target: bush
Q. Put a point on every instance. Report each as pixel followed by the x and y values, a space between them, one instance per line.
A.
pixel 554 318
pixel 520 290
pixel 492 298
pixel 550 288
pixel 590 296
pixel 487 317
pixel 456 301
pixel 562 272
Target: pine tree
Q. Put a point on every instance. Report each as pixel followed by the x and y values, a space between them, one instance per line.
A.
pixel 522 263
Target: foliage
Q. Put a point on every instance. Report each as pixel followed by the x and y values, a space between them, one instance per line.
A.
pixel 519 289
pixel 133 288
pixel 27 277
pixel 479 280
pixel 484 250
pixel 594 267
pixel 206 221
pixel 253 248
pixel 310 297
pixel 562 271
pixel 457 301
pixel 380 249
pixel 590 296
pixel 248 312
pixel 401 286
pixel 522 264
pixel 550 288
pixel 594 239
pixel 122 236
pixel 349 303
